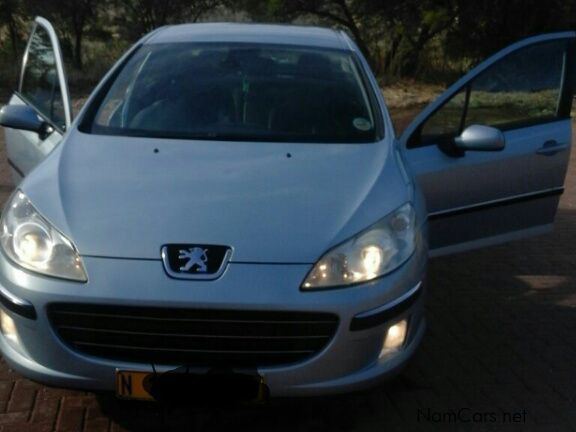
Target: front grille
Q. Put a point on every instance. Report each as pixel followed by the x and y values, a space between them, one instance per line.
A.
pixel 192 337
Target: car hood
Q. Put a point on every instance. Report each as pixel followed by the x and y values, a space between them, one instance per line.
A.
pixel 126 197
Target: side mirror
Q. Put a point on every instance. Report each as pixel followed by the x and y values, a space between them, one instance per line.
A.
pixel 480 138
pixel 24 118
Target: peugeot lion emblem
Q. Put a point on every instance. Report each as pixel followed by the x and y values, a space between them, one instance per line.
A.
pixel 195 257
pixel 195 261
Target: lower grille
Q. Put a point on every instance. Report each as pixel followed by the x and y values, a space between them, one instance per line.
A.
pixel 192 337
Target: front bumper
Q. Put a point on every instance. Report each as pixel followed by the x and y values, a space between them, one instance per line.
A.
pixel 349 362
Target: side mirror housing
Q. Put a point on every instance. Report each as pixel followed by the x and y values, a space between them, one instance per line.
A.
pixel 480 138
pixel 24 118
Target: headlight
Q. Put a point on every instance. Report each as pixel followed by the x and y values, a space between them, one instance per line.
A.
pixel 31 242
pixel 372 253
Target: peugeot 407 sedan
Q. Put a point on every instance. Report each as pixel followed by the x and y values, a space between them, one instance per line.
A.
pixel 232 205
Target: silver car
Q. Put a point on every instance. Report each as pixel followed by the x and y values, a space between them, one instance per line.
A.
pixel 232 206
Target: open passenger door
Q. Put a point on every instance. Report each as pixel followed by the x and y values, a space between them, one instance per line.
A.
pixel 39 112
pixel 491 153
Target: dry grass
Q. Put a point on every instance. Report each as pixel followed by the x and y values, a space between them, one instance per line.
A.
pixel 408 94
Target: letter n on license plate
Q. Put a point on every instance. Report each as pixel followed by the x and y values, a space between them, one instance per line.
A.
pixel 130 385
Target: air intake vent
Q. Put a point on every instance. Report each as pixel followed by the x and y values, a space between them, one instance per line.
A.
pixel 192 337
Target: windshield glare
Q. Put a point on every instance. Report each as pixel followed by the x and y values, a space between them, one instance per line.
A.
pixel 238 92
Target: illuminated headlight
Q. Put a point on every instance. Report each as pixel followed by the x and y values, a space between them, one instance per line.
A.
pixel 374 252
pixel 31 242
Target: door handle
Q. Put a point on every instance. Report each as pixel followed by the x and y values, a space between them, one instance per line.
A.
pixel 550 148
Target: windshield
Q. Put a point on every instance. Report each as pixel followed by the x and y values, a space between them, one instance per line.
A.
pixel 238 92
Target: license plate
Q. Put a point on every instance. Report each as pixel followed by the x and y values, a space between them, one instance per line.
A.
pixel 193 387
pixel 130 385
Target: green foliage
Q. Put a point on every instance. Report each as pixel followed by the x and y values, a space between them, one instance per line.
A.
pixel 72 18
pixel 138 17
pixel 434 40
pixel 484 26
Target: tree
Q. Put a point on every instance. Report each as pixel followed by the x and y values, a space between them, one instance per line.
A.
pixel 408 28
pixel 71 17
pixel 142 16
pixel 391 33
pixel 485 26
pixel 345 14
pixel 399 37
pixel 10 10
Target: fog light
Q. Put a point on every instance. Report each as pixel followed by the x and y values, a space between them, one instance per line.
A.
pixel 395 337
pixel 8 327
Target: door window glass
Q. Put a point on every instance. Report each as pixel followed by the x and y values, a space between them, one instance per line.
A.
pixel 523 88
pixel 40 85
pixel 448 120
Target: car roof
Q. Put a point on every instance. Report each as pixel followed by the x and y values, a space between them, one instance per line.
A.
pixel 252 33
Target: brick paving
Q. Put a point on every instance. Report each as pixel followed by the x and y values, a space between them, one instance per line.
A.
pixel 500 351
